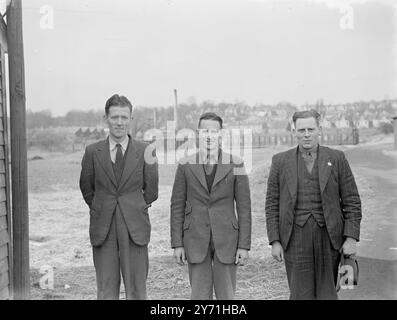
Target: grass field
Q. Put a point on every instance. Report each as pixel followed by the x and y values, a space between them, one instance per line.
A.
pixel 59 234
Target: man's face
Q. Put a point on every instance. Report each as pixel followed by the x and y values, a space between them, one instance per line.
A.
pixel 118 120
pixel 307 132
pixel 209 135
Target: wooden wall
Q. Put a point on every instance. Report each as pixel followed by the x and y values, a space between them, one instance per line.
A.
pixel 5 218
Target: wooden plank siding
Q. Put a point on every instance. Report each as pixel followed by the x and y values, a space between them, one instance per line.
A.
pixel 4 237
pixel 5 293
pixel 5 212
pixel 3 223
pixel 3 265
pixel 3 252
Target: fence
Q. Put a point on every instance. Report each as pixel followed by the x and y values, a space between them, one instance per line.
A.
pixel 332 137
pixel 348 136
pixel 262 140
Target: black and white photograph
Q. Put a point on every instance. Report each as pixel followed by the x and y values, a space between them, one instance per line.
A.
pixel 173 150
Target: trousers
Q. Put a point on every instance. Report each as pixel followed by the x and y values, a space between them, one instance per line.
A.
pixel 210 275
pixel 311 263
pixel 119 253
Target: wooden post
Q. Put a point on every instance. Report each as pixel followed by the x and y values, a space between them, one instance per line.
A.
pixel 176 109
pixel 20 217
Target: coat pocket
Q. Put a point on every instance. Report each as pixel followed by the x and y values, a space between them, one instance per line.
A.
pixel 186 224
pixel 188 209
pixel 235 224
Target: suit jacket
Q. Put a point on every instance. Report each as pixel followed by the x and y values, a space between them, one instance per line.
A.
pixel 195 211
pixel 340 199
pixel 138 188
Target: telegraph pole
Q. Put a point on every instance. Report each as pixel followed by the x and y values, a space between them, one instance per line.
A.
pixel 20 213
pixel 176 109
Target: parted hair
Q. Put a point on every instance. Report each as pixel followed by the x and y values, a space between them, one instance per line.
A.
pixel 117 101
pixel 306 114
pixel 210 116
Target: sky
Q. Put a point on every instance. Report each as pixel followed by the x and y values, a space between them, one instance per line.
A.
pixel 80 52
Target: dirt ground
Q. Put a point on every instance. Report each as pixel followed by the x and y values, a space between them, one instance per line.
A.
pixel 59 231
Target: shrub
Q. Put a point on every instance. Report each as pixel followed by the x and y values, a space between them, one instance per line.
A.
pixel 49 139
pixel 386 128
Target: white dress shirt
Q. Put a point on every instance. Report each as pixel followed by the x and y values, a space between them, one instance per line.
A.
pixel 113 148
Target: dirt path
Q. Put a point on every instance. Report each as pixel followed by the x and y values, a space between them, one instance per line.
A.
pixel 377 251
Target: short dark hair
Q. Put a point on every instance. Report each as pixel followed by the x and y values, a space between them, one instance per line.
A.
pixel 306 114
pixel 211 116
pixel 117 101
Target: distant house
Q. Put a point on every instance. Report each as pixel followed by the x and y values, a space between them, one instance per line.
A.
pixel 362 123
pixel 79 133
pixel 90 133
pixel 281 115
pixel 331 109
pixel 277 126
pixel 254 123
pixel 342 123
pixel 340 108
pixel 87 133
pixel 375 123
pixel 326 124
pixel 385 119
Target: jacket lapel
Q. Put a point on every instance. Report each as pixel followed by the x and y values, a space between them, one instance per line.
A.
pixel 130 162
pixel 223 168
pixel 292 173
pixel 103 154
pixel 324 167
pixel 197 168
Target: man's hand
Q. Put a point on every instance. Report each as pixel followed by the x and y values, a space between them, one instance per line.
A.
pixel 180 257
pixel 349 247
pixel 241 257
pixel 277 251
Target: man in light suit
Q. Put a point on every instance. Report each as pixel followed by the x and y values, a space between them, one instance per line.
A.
pixel 204 228
pixel 119 181
pixel 313 211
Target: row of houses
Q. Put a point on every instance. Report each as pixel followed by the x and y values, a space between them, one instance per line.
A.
pixel 91 133
pixel 257 125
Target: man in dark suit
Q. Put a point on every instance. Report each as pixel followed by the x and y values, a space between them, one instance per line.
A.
pixel 119 181
pixel 204 228
pixel 313 211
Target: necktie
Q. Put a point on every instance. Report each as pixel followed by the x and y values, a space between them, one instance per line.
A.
pixel 308 158
pixel 119 162
pixel 208 167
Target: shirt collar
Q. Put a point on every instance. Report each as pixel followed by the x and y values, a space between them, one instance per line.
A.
pixel 313 150
pixel 124 143
pixel 204 156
